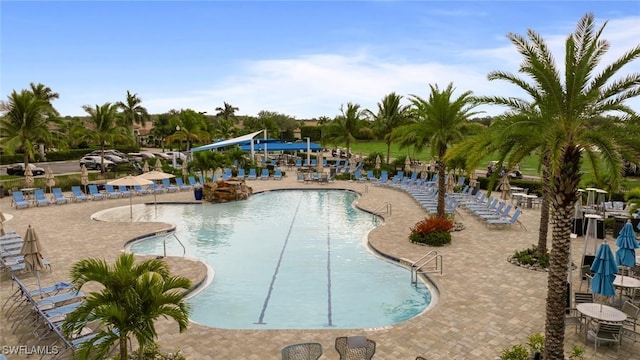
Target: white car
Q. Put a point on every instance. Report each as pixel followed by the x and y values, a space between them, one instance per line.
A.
pixel 177 154
pixel 95 163
pixel 116 159
pixel 141 156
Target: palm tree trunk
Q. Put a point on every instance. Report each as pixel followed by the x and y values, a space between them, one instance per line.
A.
pixel 123 348
pixel 388 150
pixel 544 206
pixel 563 198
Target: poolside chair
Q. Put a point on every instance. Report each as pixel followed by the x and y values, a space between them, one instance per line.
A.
pixel 605 332
pixel 502 223
pixel 181 185
pixel 19 201
pixel 155 189
pixel 140 190
pixel 252 174
pixel 241 174
pixel 167 185
pixel 124 191
pixel 633 314
pixel 111 192
pixel 359 177
pixel 58 196
pixel 277 175
pixel 40 198
pixel 298 162
pixel 95 193
pixel 77 194
pixel 371 177
pixel 195 184
pixel 202 179
pixel 265 174
pixel 355 348
pixel 303 351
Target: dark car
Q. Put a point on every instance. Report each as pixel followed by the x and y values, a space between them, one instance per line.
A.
pixel 18 169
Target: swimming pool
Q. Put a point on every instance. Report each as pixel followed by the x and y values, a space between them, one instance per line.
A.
pixel 288 260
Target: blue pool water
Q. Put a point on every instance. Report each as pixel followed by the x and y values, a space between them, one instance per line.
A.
pixel 288 260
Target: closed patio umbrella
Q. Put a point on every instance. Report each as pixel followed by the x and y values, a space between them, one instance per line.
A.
pixel 130 181
pixel 505 188
pixel 604 269
pixel 320 164
pixel 473 179
pixel 185 171
pixel 145 167
pixel 50 180
pixel 158 166
pixel 627 245
pixel 2 220
pixel 32 252
pixel 28 177
pixel 84 177
pixel 407 164
pixel 450 183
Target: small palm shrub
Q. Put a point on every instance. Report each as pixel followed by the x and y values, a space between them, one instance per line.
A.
pixel 434 231
pixel 529 257
pixel 633 200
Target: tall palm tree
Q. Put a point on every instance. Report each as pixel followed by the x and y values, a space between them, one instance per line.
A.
pixel 438 122
pixel 189 126
pixel 344 127
pixel 133 112
pixel 573 104
pixel 132 297
pixel 105 127
pixel 227 111
pixel 26 121
pixel 390 116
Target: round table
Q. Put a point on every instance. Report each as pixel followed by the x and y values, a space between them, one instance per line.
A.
pixel 601 312
pixel 625 282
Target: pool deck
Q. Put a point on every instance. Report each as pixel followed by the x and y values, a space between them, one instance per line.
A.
pixel 485 303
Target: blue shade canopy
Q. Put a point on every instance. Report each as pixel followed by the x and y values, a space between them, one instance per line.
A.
pixel 627 245
pixel 604 268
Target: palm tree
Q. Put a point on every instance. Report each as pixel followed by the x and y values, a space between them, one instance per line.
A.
pixel 133 112
pixel 439 122
pixel 344 127
pixel 390 115
pixel 189 126
pixel 132 297
pixel 105 127
pixel 26 121
pixel 227 112
pixel 572 105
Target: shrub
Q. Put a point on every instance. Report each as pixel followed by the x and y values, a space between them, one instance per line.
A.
pixel 517 352
pixel 434 231
pixel 528 257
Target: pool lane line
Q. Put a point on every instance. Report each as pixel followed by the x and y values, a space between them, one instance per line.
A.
pixel 275 273
pixel 329 307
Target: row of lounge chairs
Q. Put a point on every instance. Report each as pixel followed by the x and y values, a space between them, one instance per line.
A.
pixel 491 210
pixel 38 314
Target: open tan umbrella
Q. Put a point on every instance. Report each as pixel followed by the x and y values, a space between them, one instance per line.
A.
pixel 28 177
pixel 50 180
pixel 130 181
pixel 505 187
pixel 32 252
pixel 155 175
pixel 145 167
pixel 84 177
pixel 158 166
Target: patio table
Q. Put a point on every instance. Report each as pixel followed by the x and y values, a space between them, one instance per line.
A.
pixel 600 312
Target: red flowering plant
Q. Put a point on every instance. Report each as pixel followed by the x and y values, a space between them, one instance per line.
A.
pixel 434 231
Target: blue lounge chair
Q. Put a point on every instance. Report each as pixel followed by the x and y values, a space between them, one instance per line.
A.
pixel 181 185
pixel 153 188
pixel 122 189
pixel 111 192
pixel 241 173
pixel 58 196
pixel 265 174
pixel 77 194
pixel 140 191
pixel 298 162
pixel 227 174
pixel 502 223
pixel 95 193
pixel 41 199
pixel 195 184
pixel 252 174
pixel 277 175
pixel 19 201
pixel 359 177
pixel 202 179
pixel 167 185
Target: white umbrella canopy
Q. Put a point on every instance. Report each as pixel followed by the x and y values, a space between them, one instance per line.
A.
pixel 50 180
pixel 32 252
pixel 130 181
pixel 145 167
pixel 28 177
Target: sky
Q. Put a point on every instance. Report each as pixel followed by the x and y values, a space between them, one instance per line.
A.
pixel 300 58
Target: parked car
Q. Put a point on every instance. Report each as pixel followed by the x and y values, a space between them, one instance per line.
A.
pixel 18 169
pixel 141 156
pixel 163 156
pixel 116 159
pixel 95 163
pixel 108 152
pixel 179 156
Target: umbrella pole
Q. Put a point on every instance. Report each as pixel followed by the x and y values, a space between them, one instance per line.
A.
pixel 38 279
pixel 131 207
